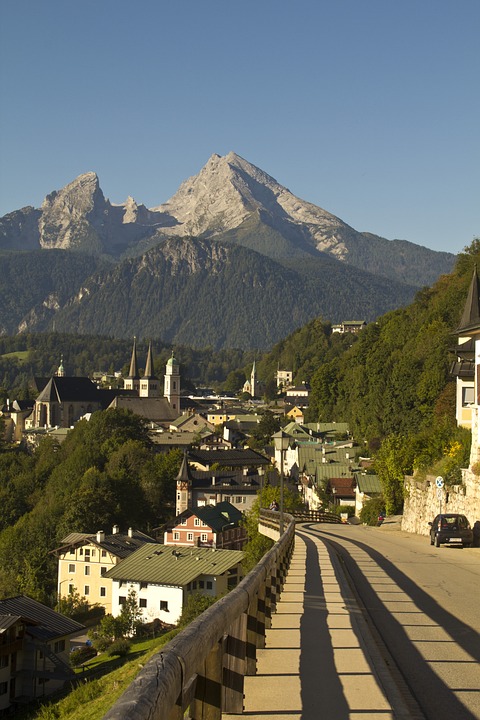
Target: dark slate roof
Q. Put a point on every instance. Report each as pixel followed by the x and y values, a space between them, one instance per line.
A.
pixel 50 624
pixel 157 408
pixel 232 458
pixel 68 389
pixel 470 319
pixel 219 515
pixel 173 565
pixel 211 479
pixel 6 621
pixel 119 544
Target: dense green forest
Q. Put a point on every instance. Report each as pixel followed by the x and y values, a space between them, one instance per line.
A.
pixel 29 355
pixel 104 473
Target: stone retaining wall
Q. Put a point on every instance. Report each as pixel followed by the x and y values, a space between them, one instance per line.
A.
pixel 422 504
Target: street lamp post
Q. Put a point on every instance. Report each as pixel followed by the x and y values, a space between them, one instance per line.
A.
pixel 281 441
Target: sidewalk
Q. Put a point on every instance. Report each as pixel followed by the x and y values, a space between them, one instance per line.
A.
pixel 317 662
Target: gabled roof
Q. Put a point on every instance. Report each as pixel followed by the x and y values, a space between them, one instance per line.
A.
pixel 69 389
pixel 118 544
pixel 230 458
pixel 50 623
pixel 173 565
pixel 369 484
pixel 154 408
pixel 219 515
pixel 343 486
pixel 470 320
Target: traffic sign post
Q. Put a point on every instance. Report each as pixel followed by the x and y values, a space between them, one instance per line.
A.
pixel 439 484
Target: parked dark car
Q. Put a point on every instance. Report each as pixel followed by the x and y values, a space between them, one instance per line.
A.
pixel 451 529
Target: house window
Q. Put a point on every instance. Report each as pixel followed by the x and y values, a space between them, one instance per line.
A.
pixel 3 688
pixel 190 536
pixel 201 584
pixel 71 568
pixel 4 661
pixel 104 553
pixel 70 589
pixel 194 585
pixel 81 551
pixel 103 592
pixel 59 646
pixel 94 552
pixel 87 590
pixel 204 537
pixel 176 535
pixel 468 396
pixel 142 603
pixel 164 605
pixel 122 600
pixel 143 586
pixel 87 569
pixel 72 551
pixel 87 553
pixel 103 570
pixel 209 585
pixel 196 522
pixel 184 521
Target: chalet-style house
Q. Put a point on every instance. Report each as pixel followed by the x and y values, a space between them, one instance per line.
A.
pixel 211 526
pixel 34 651
pixel 349 326
pixel 84 559
pixel 164 576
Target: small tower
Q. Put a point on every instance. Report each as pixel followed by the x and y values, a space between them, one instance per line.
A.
pixel 172 383
pixel 61 370
pixel 132 381
pixel 149 384
pixel 253 381
pixel 184 487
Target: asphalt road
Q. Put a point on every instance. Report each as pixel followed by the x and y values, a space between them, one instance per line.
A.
pixel 423 604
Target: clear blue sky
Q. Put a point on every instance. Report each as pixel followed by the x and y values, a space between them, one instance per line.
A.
pixel 367 108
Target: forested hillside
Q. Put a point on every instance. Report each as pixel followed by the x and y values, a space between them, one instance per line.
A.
pixel 104 473
pixel 392 382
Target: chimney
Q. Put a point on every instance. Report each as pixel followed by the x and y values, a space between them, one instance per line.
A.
pixel 115 530
pixel 130 532
pixel 100 536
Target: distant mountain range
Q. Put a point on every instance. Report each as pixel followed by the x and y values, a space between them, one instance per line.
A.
pixel 233 259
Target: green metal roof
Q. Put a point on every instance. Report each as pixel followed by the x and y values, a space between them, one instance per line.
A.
pixel 369 484
pixel 175 565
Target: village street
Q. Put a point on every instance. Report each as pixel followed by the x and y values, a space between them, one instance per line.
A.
pixel 421 604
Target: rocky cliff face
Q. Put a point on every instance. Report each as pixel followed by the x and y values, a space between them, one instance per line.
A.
pixel 230 200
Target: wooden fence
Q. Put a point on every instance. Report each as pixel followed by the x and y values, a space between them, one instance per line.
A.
pixel 319 516
pixel 202 669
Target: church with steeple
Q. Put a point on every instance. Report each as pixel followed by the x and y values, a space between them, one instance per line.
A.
pixel 63 400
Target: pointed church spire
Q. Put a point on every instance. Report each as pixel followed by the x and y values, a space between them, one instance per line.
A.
pixel 133 373
pixel 470 319
pixel 149 365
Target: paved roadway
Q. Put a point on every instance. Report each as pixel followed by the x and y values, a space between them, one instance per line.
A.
pixel 422 604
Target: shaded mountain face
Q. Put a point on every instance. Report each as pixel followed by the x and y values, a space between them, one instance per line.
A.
pixel 233 259
pixel 195 292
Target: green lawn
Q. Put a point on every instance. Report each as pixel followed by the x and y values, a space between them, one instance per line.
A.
pixel 21 355
pixel 105 680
